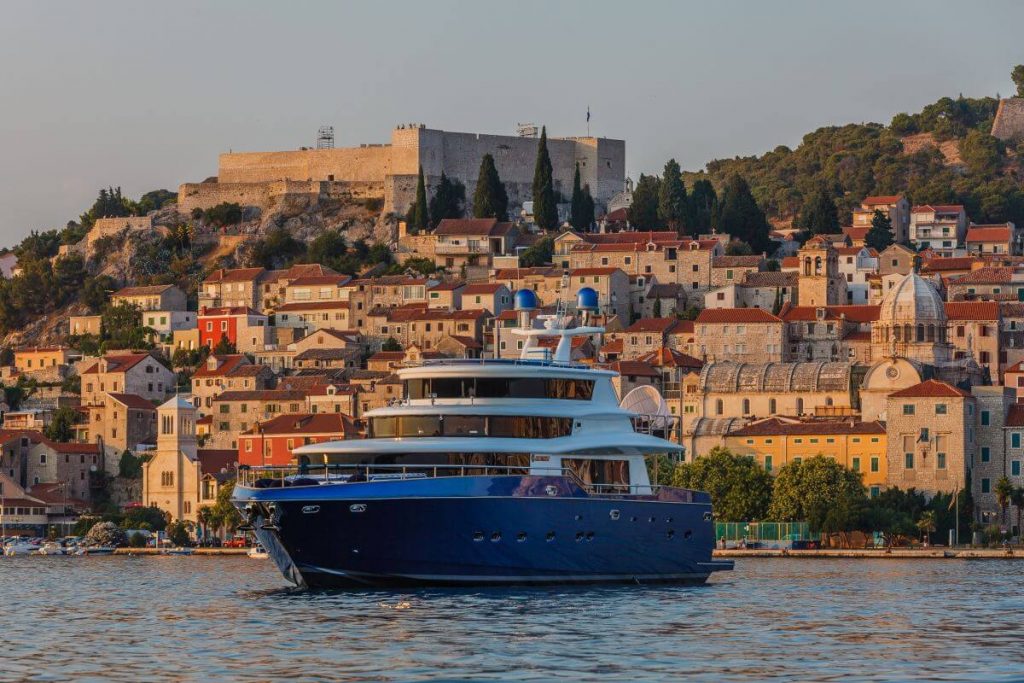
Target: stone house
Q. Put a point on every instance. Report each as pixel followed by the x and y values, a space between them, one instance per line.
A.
pixel 151 298
pixel 611 285
pixel 941 227
pixel 663 300
pixel 234 288
pixel 119 422
pixel 472 241
pixel 740 334
pixel 243 327
pixel 856 264
pixel 728 270
pixel 644 336
pixel 991 283
pixel 974 332
pixel 314 315
pixel 36 358
pixel 273 442
pixel 546 282
pixel 446 295
pixel 896 258
pixel 66 463
pixel 994 239
pixel 931 437
pixel 310 288
pixel 138 374
pixel 423 327
pixel 896 207
pixel 232 372
pixel 332 398
pixel 486 296
pixel 234 412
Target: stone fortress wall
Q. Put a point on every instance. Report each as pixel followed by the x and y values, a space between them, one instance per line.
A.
pixel 1009 122
pixel 389 172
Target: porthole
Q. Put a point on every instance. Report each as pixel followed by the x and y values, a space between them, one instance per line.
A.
pixel 495 537
pixel 671 534
pixel 633 518
pixel 521 537
pixel 478 536
pixel 687 534
pixel 550 537
pixel 614 514
pixel 651 520
pixel 590 535
pixel 578 517
pixel 579 536
pixel 668 519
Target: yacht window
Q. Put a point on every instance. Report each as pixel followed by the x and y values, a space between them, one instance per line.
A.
pixel 500 387
pixel 526 388
pixel 522 427
pixel 383 427
pixel 607 472
pixel 464 425
pixel 420 425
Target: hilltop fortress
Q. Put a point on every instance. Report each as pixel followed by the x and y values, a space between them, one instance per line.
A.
pixel 388 172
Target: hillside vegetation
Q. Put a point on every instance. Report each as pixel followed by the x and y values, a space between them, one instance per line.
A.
pixel 942 154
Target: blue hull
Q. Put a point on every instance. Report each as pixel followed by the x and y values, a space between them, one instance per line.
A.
pixel 480 530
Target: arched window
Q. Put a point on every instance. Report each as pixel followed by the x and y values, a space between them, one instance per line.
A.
pixel 920 332
pixel 931 333
pixel 719 407
pixel 799 406
pixel 896 333
pixel 746 406
pixel 908 333
pixel 828 400
pixel 807 266
pixel 771 406
pixel 817 265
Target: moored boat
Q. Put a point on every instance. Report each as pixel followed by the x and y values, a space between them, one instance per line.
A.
pixel 487 471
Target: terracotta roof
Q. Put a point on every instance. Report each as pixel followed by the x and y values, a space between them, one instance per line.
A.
pixel 662 325
pixel 325 354
pixel 387 356
pixel 468 342
pixel 665 290
pixel 1011 309
pixel 666 357
pixel 1015 418
pixel 875 200
pixel 985 233
pixel 855 233
pixel 120 362
pixel 629 237
pixel 228 364
pixel 931 388
pixel 859 313
pixel 736 262
pixel 773 426
pixel 1016 367
pixel 518 273
pixel 235 275
pixel 311 280
pixel 938 208
pixel 771 279
pixel 472 226
pixel 483 288
pixel 972 310
pixel 614 346
pixel 791 262
pixel 305 423
pixel 995 276
pixel 736 315
pixel 943 264
pixel 632 368
pixel 148 290
pixel 447 286
pixel 133 401
pixel 605 270
pixel 213 460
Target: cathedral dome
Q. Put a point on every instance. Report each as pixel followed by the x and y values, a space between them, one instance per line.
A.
pixel 912 301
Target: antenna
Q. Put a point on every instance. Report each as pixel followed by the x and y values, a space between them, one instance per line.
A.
pixel 325 137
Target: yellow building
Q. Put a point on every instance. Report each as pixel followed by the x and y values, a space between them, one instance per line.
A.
pixel 41 357
pixel 774 442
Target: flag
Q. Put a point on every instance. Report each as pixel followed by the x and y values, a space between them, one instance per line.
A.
pixel 588 113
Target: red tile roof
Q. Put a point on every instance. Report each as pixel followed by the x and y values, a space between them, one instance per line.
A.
pixel 856 234
pixel 984 233
pixel 235 275
pixel 875 200
pixel 1015 418
pixel 938 208
pixel 306 423
pixel 312 306
pixel 972 310
pixel 662 325
pixel 632 368
pixel 472 226
pixel 119 362
pixel 666 357
pixel 606 270
pixel 227 311
pixel 945 264
pixel 931 388
pixel 981 276
pixel 736 315
pixel 483 288
pixel 227 364
pixel 133 401
pixel 148 290
pixel 773 426
pixel 213 460
pixel 858 313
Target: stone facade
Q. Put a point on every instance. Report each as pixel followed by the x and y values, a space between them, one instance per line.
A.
pixel 1009 121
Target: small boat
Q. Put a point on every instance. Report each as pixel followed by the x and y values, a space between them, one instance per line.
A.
pixel 49 548
pixel 95 550
pixel 258 552
pixel 20 548
pixel 177 551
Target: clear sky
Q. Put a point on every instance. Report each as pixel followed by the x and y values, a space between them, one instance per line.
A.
pixel 145 95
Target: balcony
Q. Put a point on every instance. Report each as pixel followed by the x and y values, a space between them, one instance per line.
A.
pixel 462 249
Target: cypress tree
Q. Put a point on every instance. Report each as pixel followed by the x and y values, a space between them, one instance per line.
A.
pixel 417 217
pixel 588 207
pixel 490 199
pixel 880 235
pixel 741 217
pixel 672 207
pixel 643 212
pixel 703 202
pixel 578 217
pixel 545 208
pixel 449 200
pixel 819 214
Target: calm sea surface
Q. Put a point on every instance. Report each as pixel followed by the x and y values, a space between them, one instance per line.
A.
pixel 192 618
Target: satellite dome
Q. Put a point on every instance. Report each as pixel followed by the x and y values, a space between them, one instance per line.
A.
pixel 586 299
pixel 525 300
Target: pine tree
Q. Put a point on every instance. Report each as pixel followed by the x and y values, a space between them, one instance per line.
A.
pixel 545 208
pixel 703 203
pixel 880 235
pixel 741 217
pixel 449 200
pixel 643 212
pixel 417 217
pixel 819 214
pixel 672 207
pixel 490 199
pixel 577 215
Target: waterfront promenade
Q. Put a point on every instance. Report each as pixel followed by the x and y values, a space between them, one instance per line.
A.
pixel 933 553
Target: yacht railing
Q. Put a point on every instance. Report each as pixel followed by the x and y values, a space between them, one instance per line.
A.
pixel 278 476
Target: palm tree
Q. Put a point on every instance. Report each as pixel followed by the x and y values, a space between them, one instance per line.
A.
pixel 1003 491
pixel 205 519
pixel 926 525
pixel 1017 498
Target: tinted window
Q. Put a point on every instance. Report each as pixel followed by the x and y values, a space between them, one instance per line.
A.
pixel 465 425
pixel 420 425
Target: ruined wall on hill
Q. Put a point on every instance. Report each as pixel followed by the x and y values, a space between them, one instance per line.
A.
pixel 265 194
pixel 1009 121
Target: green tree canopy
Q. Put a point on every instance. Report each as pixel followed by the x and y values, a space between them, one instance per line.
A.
pixel 121 328
pixel 880 235
pixel 545 206
pixel 490 199
pixel 643 212
pixel 740 489
pixel 417 218
pixel 1018 79
pixel 62 425
pixel 538 254
pixel 578 213
pixel 703 206
pixel 982 153
pixel 819 214
pixel 672 202
pixel 741 217
pixel 390 344
pixel 449 200
pixel 806 490
pixel 276 250
pixel 110 203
